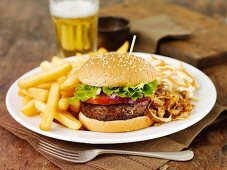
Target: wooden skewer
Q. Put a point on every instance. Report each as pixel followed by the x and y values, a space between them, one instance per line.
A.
pixel 132 45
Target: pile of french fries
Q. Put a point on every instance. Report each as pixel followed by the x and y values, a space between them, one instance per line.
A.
pixel 46 93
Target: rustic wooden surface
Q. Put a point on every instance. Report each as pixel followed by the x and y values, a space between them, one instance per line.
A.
pixel 26 38
pixel 206 46
pixel 216 9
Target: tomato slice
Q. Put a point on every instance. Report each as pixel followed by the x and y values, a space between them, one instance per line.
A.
pixel 107 100
pixel 104 100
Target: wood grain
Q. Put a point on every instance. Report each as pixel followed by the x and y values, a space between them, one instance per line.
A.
pixel 216 9
pixel 26 38
pixel 207 45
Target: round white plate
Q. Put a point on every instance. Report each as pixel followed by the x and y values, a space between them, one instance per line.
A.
pixel 206 93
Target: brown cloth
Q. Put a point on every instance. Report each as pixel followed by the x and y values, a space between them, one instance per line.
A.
pixel 154 29
pixel 174 142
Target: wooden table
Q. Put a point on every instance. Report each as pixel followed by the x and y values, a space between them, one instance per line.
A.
pixel 26 38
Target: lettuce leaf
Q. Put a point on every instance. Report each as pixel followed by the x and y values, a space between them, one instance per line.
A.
pixel 84 92
pixel 134 92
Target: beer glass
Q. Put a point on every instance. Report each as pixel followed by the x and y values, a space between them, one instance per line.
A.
pixel 75 24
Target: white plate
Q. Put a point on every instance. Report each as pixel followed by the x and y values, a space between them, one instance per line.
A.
pixel 206 93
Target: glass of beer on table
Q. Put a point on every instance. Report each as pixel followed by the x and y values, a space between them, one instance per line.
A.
pixel 75 24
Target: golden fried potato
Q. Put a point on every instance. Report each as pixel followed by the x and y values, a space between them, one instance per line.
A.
pixel 48 114
pixel 29 108
pixel 45 77
pixel 37 93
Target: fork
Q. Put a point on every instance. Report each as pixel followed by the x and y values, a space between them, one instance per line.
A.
pixel 88 155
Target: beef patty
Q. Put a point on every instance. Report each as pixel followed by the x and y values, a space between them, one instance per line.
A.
pixel 115 111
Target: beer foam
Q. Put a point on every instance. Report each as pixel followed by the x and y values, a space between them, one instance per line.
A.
pixel 74 9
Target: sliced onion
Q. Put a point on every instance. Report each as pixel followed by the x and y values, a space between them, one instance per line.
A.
pixel 159 119
pixel 128 99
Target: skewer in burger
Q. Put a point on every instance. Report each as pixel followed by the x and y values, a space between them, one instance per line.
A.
pixel 115 93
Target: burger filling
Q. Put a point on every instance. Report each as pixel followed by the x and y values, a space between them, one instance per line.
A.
pixel 114 103
pixel 114 112
pixel 87 93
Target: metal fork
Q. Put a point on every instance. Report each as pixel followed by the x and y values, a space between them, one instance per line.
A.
pixel 88 155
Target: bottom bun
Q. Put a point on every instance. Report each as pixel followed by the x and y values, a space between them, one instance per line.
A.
pixel 115 125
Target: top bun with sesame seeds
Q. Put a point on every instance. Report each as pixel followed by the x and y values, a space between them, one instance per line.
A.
pixel 116 70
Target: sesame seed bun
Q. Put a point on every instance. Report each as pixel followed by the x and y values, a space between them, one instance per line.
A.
pixel 115 125
pixel 115 70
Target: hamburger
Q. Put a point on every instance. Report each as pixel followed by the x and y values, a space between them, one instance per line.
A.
pixel 115 93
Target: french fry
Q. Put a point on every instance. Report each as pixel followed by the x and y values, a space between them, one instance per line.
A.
pixel 75 107
pixel 73 71
pixel 61 79
pixel 45 65
pixel 22 92
pixel 44 86
pixel 124 48
pixel 80 60
pixel 78 54
pixel 101 50
pixel 91 54
pixel 63 104
pixel 68 93
pixel 38 93
pixel 68 120
pixel 65 118
pixel 45 77
pixel 41 114
pixel 77 65
pixel 40 106
pixel 57 60
pixel 70 82
pixel 48 114
pixel 26 99
pixel 29 108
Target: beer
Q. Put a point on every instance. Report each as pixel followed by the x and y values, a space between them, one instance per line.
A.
pixel 75 24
